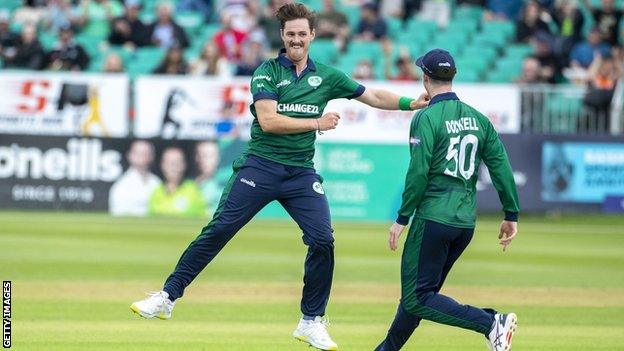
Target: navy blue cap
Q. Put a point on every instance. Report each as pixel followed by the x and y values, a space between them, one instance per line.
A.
pixel 438 64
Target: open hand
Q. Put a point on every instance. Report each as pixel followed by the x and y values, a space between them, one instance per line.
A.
pixel 395 232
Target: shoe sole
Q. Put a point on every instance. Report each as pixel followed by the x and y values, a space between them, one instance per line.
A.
pixel 513 320
pixel 136 310
pixel 304 339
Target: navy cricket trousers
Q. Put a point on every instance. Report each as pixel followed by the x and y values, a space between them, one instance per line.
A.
pixel 256 182
pixel 431 249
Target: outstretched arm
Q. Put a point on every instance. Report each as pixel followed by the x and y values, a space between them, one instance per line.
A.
pixel 386 100
pixel 273 122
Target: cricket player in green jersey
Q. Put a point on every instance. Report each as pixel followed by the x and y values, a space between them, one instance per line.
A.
pixel 448 140
pixel 290 93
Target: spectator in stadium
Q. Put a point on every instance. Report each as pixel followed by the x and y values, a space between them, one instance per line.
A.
pixel 438 11
pixel 8 39
pixel 550 68
pixel 128 29
pixel 531 100
pixel 371 25
pixel 271 26
pixel 243 14
pixel 569 21
pixel 229 40
pixel 176 196
pixel 530 23
pixel 363 70
pixel 607 19
pixel 201 6
pixel 604 73
pixel 59 14
pixel 113 63
pixel 172 63
pixel 403 64
pixel 210 63
pixel 165 32
pixel 253 56
pixel 28 52
pixel 405 71
pixel 584 52
pixel 31 12
pixel 95 15
pixel 130 194
pixel 532 72
pixel 67 54
pixel 207 159
pixel 392 8
pixel 331 24
pixel 503 10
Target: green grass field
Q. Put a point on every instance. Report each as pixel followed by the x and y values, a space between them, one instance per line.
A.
pixel 75 275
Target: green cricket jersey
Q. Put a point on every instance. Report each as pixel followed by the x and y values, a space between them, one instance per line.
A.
pixel 303 96
pixel 448 140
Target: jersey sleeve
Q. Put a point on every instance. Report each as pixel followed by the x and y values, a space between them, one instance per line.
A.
pixel 421 148
pixel 262 84
pixel 497 162
pixel 345 87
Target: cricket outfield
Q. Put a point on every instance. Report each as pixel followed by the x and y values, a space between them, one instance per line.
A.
pixel 74 277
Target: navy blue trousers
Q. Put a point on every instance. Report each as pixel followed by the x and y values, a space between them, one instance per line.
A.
pixel 430 251
pixel 256 182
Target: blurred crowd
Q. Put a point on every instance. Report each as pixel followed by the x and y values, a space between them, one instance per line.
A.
pixel 564 49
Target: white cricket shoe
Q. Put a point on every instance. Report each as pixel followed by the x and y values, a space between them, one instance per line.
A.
pixel 314 332
pixel 502 333
pixel 157 304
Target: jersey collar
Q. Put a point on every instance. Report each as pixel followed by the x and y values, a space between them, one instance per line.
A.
pixel 444 96
pixel 286 62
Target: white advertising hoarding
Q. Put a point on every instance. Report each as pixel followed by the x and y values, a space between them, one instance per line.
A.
pixel 362 123
pixel 64 104
pixel 199 108
pixel 191 107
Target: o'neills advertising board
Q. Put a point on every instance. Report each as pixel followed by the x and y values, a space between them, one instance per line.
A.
pixel 124 176
pixel 64 104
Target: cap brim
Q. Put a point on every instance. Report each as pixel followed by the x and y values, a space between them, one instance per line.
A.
pixel 419 61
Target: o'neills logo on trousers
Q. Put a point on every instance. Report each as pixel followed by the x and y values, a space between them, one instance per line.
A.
pixel 302 108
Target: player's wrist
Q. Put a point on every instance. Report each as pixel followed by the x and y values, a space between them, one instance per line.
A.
pixel 318 126
pixel 402 220
pixel 405 103
pixel 511 216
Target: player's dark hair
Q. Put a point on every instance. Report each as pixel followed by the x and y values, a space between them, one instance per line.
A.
pixel 295 11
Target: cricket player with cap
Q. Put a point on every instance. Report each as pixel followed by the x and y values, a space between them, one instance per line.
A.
pixel 448 140
pixel 290 93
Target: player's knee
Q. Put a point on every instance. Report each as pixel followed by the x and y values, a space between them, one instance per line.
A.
pixel 422 296
pixel 320 242
pixel 216 231
pixel 414 302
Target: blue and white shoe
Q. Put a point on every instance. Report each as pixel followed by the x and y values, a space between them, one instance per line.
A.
pixel 502 332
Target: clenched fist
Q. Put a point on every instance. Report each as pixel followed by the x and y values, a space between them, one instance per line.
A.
pixel 328 121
